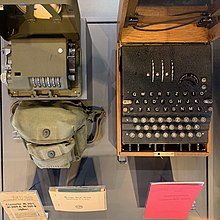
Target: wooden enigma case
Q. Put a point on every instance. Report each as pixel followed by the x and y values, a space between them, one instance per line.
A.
pixel 164 79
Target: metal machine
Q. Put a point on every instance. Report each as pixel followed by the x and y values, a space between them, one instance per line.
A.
pixel 43 55
pixel 166 97
pixel 164 78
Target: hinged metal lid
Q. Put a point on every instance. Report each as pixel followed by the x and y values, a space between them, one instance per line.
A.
pixel 22 19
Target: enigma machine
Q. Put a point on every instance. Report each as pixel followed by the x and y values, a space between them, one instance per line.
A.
pixel 164 79
pixel 43 56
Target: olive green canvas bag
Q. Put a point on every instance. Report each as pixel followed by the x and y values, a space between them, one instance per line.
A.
pixel 56 133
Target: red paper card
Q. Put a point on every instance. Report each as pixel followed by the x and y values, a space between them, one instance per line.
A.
pixel 171 200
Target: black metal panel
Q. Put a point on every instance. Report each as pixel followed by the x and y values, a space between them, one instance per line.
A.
pixel 166 95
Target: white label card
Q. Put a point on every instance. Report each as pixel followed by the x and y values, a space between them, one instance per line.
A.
pixel 79 198
pixel 22 205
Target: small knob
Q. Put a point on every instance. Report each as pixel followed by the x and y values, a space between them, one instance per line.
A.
pixel 203 79
pixel 180 127
pixel 173 135
pixel 169 119
pixel 196 127
pixel 163 127
pixel 152 120
pixel 138 127
pixel 134 94
pixel 203 119
pixel 177 119
pixel 157 135
pixel 160 119
pixel 154 127
pixel 195 119
pixel 135 120
pixel 171 127
pixel 146 127
pixel 132 135
pixel 188 127
pixel 143 120
pixel 165 135
pixel 190 135
pixel 186 119
pixel 148 135
pixel 204 86
pixel 140 135
pixel 198 134
pixel 125 109
pixel 182 134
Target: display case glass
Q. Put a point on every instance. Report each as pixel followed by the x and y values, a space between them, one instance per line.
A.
pixel 127 179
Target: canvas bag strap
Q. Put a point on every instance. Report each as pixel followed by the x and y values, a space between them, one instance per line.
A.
pixel 14 106
pixel 95 116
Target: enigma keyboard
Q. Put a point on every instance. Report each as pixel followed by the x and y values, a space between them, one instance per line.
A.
pixel 166 97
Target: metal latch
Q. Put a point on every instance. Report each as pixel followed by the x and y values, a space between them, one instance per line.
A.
pixel 207 20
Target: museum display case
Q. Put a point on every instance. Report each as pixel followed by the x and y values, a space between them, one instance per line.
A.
pixel 122 179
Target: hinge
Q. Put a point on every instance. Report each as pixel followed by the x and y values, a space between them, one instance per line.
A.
pixel 132 21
